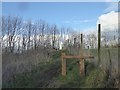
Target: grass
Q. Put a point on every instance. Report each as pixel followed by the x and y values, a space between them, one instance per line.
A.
pixel 48 73
pixel 95 78
pixel 38 76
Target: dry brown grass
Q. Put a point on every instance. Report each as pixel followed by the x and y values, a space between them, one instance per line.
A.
pixel 14 64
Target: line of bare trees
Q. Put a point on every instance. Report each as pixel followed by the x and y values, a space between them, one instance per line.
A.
pixel 11 26
pixel 19 35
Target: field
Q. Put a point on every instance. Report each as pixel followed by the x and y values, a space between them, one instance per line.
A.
pixel 60 45
pixel 35 69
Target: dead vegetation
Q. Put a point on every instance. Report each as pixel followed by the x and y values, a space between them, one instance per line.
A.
pixel 15 64
pixel 36 66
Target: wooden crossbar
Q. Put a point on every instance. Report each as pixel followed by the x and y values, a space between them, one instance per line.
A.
pixel 78 57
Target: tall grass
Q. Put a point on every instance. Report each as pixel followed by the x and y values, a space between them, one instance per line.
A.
pixel 44 70
pixel 16 64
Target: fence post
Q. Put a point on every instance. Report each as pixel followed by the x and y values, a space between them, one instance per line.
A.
pixel 99 41
pixel 63 65
pixel 81 62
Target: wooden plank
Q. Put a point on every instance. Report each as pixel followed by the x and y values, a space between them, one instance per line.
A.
pixel 63 65
pixel 78 57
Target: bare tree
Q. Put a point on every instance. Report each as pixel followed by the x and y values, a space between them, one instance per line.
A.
pixel 41 28
pixel 93 40
pixel 3 27
pixel 3 30
pixel 9 26
pixel 24 43
pixel 54 30
pixel 17 22
pixel 35 35
pixel 28 27
pixel 24 36
pixel 48 35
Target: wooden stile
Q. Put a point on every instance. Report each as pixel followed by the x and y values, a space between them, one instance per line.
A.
pixel 81 58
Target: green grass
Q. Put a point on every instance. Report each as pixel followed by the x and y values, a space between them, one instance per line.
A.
pixel 72 78
pixel 95 79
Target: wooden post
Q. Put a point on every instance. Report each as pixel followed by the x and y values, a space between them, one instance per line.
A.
pixel 63 65
pixel 81 62
pixel 99 41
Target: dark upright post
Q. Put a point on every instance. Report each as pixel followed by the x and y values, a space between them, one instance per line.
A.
pixel 99 41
